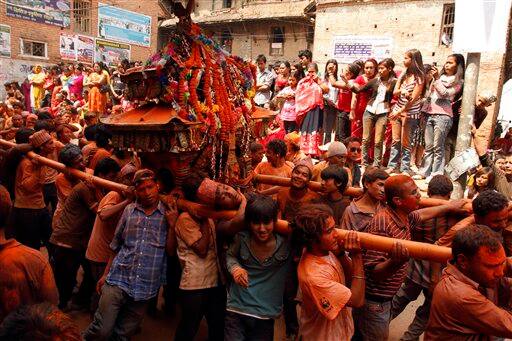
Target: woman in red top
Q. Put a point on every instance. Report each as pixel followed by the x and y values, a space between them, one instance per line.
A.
pixel 282 77
pixel 344 101
pixel 360 100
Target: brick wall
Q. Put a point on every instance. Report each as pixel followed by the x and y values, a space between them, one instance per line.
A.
pixel 252 39
pixel 21 28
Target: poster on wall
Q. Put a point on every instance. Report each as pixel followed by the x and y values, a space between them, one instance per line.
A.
pixel 84 49
pixel 51 12
pixel 5 41
pixel 348 48
pixel 67 46
pixel 125 26
pixel 111 53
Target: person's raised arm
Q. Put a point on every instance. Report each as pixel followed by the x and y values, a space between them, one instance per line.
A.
pixel 397 257
pixel 201 246
pixel 460 206
pixel 357 288
pixel 397 91
pixel 356 88
pixel 109 211
pixel 30 174
pixel 171 216
pixel 237 223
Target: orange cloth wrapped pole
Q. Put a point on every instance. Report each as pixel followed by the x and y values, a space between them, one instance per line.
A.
pixel 110 185
pixel 313 185
pixel 368 241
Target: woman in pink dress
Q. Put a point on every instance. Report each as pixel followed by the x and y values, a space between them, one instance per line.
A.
pixel 76 83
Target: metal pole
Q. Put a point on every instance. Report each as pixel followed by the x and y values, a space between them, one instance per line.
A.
pixel 466 118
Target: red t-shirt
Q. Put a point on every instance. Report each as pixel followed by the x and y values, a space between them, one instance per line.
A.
pixel 344 100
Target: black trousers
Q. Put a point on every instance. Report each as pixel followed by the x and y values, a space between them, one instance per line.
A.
pixel 31 227
pixel 196 304
pixel 291 286
pixel 50 197
pixel 240 327
pixel 97 271
pixel 342 125
pixel 290 126
pixel 65 264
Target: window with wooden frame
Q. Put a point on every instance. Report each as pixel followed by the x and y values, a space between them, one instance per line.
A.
pixel 31 48
pixel 82 15
pixel 447 24
pixel 227 3
pixel 276 41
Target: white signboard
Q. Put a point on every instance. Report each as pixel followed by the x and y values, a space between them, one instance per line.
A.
pixel 5 41
pixel 67 46
pixel 349 48
pixel 481 25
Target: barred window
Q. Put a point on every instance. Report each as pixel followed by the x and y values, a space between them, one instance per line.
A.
pixel 82 15
pixel 447 24
pixel 277 41
pixel 33 48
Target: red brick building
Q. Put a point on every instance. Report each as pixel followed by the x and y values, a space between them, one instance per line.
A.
pixel 30 33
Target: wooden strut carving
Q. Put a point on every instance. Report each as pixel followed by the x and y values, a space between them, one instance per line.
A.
pixel 368 241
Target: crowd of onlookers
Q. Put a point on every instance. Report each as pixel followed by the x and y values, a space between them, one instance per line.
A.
pixel 290 252
pixel 407 121
pixel 68 88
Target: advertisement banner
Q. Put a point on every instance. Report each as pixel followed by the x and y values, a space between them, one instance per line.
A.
pixel 5 41
pixel 125 26
pixel 51 12
pixel 111 53
pixel 349 48
pixel 85 49
pixel 67 46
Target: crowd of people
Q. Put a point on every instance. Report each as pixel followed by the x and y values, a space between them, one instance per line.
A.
pixel 407 120
pixel 283 253
pixel 73 89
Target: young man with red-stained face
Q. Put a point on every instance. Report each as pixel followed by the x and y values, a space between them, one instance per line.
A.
pixel 490 208
pixel 465 303
pixel 386 272
pixel 361 210
pixel 291 199
pixel 323 273
pixel 26 277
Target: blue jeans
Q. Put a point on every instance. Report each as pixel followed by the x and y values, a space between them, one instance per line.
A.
pixel 402 131
pixel 436 130
pixel 118 316
pixel 409 292
pixel 238 327
pixel 371 321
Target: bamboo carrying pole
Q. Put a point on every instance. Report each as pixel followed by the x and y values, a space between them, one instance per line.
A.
pixel 313 185
pixel 368 241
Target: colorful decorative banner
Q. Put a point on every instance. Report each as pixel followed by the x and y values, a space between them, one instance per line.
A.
pixel 111 53
pixel 85 49
pixel 51 12
pixel 5 41
pixel 349 48
pixel 124 26
pixel 67 46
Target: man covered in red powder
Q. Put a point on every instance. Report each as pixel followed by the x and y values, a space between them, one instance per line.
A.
pixel 25 274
